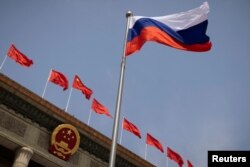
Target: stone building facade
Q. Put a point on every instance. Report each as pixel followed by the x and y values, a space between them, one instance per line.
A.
pixel 26 125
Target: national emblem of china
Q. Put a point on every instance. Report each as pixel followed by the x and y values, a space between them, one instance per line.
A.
pixel 65 141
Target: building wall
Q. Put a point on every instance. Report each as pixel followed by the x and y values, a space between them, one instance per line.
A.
pixel 17 131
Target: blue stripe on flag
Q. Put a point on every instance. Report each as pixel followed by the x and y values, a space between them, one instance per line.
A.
pixel 193 35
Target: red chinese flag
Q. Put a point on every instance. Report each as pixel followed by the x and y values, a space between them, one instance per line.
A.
pixel 77 84
pixel 59 79
pixel 189 164
pixel 19 57
pixel 154 142
pixel 131 128
pixel 175 157
pixel 99 108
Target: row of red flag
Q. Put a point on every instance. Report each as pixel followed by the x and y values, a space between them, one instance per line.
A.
pixel 60 79
pixel 150 140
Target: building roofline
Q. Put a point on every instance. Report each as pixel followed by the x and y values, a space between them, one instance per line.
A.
pixel 35 108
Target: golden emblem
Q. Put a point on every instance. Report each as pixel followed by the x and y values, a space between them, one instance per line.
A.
pixel 65 141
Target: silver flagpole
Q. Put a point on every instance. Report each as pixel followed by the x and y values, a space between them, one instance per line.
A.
pixel 3 62
pixel 121 131
pixel 67 105
pixel 90 111
pixel 119 98
pixel 146 150
pixel 46 85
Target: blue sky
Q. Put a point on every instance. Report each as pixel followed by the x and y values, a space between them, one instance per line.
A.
pixel 191 102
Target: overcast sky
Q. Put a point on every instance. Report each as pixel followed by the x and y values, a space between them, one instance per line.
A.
pixel 191 102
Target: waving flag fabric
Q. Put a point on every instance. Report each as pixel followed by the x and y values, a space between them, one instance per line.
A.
pixel 131 128
pixel 19 57
pixel 150 140
pixel 99 108
pixel 77 84
pixel 185 30
pixel 175 157
pixel 59 79
pixel 189 164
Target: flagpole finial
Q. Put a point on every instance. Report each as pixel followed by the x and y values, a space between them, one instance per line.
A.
pixel 129 14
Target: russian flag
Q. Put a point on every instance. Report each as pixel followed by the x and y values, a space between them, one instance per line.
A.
pixel 185 30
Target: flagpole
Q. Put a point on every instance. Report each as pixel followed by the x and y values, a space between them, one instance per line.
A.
pixel 89 116
pixel 46 85
pixel 167 162
pixel 3 62
pixel 121 132
pixel 67 105
pixel 146 149
pixel 119 99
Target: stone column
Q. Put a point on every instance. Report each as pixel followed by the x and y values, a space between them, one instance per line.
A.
pixel 23 156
